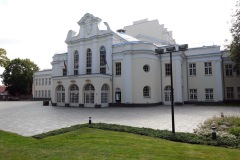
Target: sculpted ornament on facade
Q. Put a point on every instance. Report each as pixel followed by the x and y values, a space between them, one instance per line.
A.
pixel 89 26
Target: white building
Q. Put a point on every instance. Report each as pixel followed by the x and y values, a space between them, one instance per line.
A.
pixel 103 67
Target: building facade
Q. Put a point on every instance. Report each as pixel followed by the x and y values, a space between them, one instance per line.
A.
pixel 103 68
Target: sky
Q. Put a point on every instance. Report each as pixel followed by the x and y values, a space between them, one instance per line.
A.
pixel 37 29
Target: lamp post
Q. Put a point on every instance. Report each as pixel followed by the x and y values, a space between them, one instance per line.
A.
pixel 169 50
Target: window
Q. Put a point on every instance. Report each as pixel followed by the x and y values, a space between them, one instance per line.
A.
pixel 146 68
pixel 238 71
pixel 36 82
pixel 167 69
pixel 60 94
pixel 46 81
pixel 192 69
pixel 146 91
pixel 118 68
pixel 36 93
pixel 89 62
pixel 238 92
pixel 49 81
pixel 230 93
pixel 42 93
pixel 103 61
pixel 74 93
pixel 75 62
pixel 209 93
pixel 208 68
pixel 45 93
pixel 64 70
pixel 39 93
pixel 229 69
pixel 42 81
pixel 193 94
pixel 104 94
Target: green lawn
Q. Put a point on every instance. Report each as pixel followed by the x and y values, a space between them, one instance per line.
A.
pixel 88 143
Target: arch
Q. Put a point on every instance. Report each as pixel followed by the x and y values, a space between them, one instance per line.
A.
pixel 103 61
pixel 89 61
pixel 104 93
pixel 75 62
pixel 60 94
pixel 89 92
pixel 146 91
pixel 73 94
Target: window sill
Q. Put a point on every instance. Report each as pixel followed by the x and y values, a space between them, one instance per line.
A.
pixel 147 96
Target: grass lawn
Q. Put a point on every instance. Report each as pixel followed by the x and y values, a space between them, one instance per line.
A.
pixel 89 143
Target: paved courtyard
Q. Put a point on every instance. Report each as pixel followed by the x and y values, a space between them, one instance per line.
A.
pixel 30 118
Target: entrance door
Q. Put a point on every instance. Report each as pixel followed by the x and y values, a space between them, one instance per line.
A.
pixel 167 95
pixel 89 92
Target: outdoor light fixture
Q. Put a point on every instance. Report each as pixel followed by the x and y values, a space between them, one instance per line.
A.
pixel 214 129
pixel 90 120
pixel 171 49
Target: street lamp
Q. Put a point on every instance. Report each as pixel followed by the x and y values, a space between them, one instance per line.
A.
pixel 171 49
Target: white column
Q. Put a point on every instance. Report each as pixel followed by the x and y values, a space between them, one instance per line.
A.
pixel 127 77
pixel 109 55
pixel 82 59
pixel 219 81
pixel 178 82
pixel 95 57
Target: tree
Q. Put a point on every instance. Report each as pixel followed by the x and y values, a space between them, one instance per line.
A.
pixel 235 31
pixel 17 76
pixel 3 57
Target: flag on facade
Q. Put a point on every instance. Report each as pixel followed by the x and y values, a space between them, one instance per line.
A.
pixel 65 65
pixel 105 62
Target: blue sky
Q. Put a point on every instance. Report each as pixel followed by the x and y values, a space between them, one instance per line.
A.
pixel 36 29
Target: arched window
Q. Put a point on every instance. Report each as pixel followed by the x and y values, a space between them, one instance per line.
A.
pixel 89 61
pixel 104 93
pixel 75 62
pixel 167 91
pixel 74 93
pixel 89 94
pixel 60 90
pixel 103 61
pixel 146 91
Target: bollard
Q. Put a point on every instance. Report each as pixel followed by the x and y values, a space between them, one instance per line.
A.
pixel 214 134
pixel 90 121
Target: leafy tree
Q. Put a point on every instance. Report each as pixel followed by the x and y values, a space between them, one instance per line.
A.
pixel 235 31
pixel 17 76
pixel 3 57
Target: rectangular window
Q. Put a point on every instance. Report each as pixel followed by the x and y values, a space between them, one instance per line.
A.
pixel 64 71
pixel 118 68
pixel 42 81
pixel 39 93
pixel 208 68
pixel 36 82
pixel 104 97
pixel 193 94
pixel 238 92
pixel 238 71
pixel 49 81
pixel 229 69
pixel 192 69
pixel 167 69
pixel 230 93
pixel 36 93
pixel 42 93
pixel 46 81
pixel 209 94
pixel 75 71
pixel 45 93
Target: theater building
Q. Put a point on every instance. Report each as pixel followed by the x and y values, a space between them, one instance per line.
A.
pixel 103 68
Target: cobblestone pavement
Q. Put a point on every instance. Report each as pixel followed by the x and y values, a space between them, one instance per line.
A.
pixel 30 118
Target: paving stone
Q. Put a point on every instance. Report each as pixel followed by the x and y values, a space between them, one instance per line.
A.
pixel 30 118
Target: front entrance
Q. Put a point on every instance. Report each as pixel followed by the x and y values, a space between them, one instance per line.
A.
pixel 167 95
pixel 89 92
